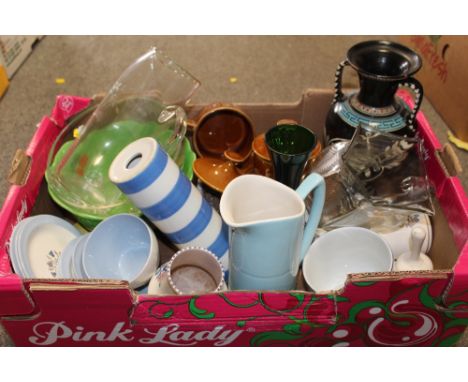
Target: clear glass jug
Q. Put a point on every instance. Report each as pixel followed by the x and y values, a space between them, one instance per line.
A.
pixel 147 100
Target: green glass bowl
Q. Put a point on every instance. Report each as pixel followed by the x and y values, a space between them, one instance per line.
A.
pixel 87 218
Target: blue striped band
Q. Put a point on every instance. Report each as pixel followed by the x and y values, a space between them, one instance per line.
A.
pixel 148 176
pixel 195 227
pixel 220 245
pixel 172 203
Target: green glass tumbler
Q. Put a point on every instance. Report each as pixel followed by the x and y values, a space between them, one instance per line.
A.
pixel 290 146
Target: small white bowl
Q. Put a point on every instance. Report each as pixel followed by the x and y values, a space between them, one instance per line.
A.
pixel 343 251
pixel 122 247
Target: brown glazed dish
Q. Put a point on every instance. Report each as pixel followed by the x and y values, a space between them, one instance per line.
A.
pixel 222 138
pixel 220 128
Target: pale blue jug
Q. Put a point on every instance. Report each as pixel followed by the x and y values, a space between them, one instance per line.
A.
pixel 268 233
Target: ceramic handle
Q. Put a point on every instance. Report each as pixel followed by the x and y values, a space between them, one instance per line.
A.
pixel 314 182
pixel 417 239
pixel 414 85
pixel 338 79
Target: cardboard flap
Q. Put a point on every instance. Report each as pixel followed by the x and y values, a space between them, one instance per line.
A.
pixel 244 307
pixel 71 295
pixel 454 300
pixel 66 107
pixel 449 160
pixel 14 298
pixel 20 168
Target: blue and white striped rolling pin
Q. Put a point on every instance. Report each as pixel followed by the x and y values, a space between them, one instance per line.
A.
pixel 154 183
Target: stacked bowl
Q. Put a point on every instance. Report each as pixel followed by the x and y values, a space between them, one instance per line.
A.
pixel 122 247
pixel 36 245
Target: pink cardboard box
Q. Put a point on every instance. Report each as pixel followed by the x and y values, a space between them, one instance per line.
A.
pixel 379 309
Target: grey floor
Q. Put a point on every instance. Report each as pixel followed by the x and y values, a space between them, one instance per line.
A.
pixel 268 69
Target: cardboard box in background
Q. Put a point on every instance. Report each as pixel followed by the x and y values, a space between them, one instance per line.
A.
pixel 444 76
pixel 3 80
pixel 13 51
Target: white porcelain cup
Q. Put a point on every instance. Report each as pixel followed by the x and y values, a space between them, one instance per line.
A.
pixel 343 251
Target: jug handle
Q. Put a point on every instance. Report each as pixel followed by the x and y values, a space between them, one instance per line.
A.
pixel 415 86
pixel 314 182
pixel 338 79
pixel 180 122
pixel 176 112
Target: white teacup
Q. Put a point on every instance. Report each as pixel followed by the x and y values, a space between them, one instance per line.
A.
pixel 340 252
